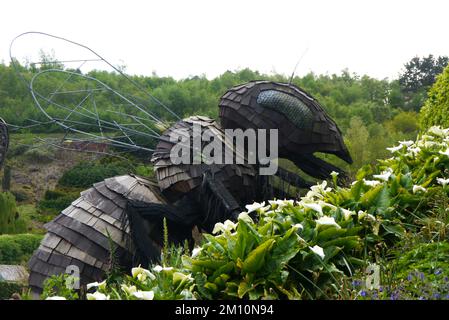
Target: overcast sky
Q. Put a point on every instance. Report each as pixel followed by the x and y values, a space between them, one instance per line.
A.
pixel 192 37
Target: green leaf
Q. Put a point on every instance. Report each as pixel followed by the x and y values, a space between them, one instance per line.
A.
pixel 256 258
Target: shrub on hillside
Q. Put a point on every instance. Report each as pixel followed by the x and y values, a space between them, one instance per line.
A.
pixel 436 108
pixel 18 248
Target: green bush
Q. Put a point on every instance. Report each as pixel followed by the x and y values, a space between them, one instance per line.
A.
pixel 56 200
pixel 7 289
pixel 10 220
pixel 18 248
pixel 436 108
pixel 85 174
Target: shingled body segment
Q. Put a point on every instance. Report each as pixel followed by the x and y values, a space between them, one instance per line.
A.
pixel 176 180
pixel 80 235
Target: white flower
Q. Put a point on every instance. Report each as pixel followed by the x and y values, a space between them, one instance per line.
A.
pixel 371 183
pixel 314 206
pixel 144 295
pixel 281 203
pixel 196 251
pixel 255 206
pixel 298 226
pixel 179 277
pixel 159 268
pixel 436 130
pixel 55 298
pixel 245 217
pixel 97 296
pixel 327 221
pixel 446 153
pixel 227 226
pixel 318 251
pixel 385 175
pixel 417 188
pixel 128 289
pixel 394 149
pixel 347 213
pixel 442 181
pixel 141 274
pixel 101 285
pixel 414 151
pixel 334 174
pixel 361 214
pixel 407 143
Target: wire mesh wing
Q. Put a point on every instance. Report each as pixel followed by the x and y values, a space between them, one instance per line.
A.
pixel 77 93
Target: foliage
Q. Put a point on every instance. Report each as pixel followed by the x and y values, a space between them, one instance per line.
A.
pixel 18 248
pixel 10 219
pixel 418 75
pixel 57 200
pixel 7 289
pixel 304 249
pixel 436 109
pixel 87 173
pixel 58 286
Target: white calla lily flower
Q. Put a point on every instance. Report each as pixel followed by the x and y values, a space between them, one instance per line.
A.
pixel 314 206
pixel 318 251
pixel 327 221
pixel 446 153
pixel 406 143
pixel 371 183
pixel 97 296
pixel 245 217
pixel 395 149
pixel 128 289
pixel 159 268
pixel 55 298
pixel 227 226
pixel 196 251
pixel 100 285
pixel 144 295
pixel 443 182
pixel 417 188
pixel 385 175
pixel 142 274
pixel 255 206
pixel 347 213
pixel 334 174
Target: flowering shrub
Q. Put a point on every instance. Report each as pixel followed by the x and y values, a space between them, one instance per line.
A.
pixel 299 249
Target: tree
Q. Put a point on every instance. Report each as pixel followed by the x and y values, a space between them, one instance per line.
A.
pixel 357 136
pixel 419 74
pixel 436 108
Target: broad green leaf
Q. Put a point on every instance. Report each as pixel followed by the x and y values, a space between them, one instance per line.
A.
pixel 256 258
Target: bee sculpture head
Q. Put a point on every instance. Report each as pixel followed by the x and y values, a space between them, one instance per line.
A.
pixel 304 128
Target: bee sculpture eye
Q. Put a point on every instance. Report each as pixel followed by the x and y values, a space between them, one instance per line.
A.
pixel 290 106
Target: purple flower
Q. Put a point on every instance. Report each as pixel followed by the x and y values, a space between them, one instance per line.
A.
pixel 356 283
pixel 410 277
pixel 363 293
pixel 421 276
pixel 437 296
pixel 438 272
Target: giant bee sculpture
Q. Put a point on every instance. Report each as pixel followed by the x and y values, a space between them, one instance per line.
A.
pixel 130 210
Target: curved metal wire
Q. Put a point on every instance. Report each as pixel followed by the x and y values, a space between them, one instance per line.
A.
pixel 136 119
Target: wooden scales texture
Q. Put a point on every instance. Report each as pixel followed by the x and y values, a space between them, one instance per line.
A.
pixel 243 107
pixel 79 235
pixel 176 180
